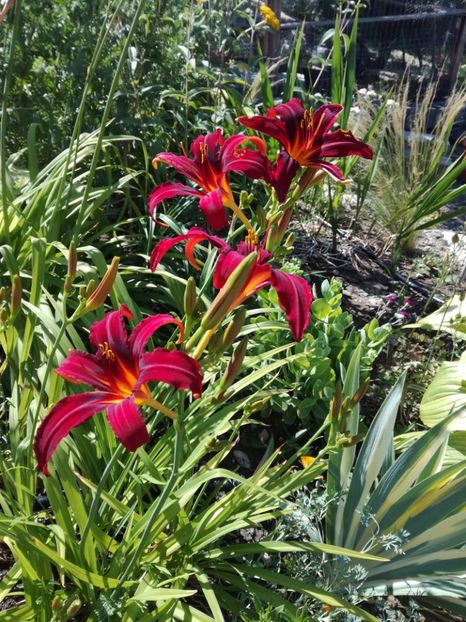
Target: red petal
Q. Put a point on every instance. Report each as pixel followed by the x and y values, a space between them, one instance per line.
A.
pixel 341 143
pixel 295 297
pixel 195 235
pixel 67 414
pixel 230 145
pixel 181 163
pixel 251 163
pixel 228 260
pixel 84 367
pixel 172 367
pixel 331 169
pixel 111 329
pixel 167 191
pixel 127 423
pixel 270 126
pixel 259 275
pixel 283 171
pixel 145 329
pixel 212 207
pixel 324 118
pixel 291 115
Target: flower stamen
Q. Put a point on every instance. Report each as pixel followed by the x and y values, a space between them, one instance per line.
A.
pixel 251 241
pixel 203 149
pixel 106 352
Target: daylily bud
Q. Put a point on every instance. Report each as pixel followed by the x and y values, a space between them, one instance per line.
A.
pixel 215 344
pixel 259 404
pixel 348 441
pixel 3 315
pixel 16 295
pixel 74 607
pixel 261 216
pixel 289 242
pixel 190 297
pixel 89 289
pixel 72 267
pixel 98 297
pixel 2 293
pixel 336 402
pixel 72 259
pixel 227 296
pixel 245 199
pixel 310 177
pixel 278 230
pixel 233 328
pixel 57 603
pixel 271 237
pixel 234 367
pixel 357 397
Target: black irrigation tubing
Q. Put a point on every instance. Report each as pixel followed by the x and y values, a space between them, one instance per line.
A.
pixel 370 253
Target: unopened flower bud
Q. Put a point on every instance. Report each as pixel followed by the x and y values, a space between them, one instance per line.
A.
pixel 57 603
pixel 336 402
pixel 245 199
pixel 16 295
pixel 357 397
pixel 215 344
pixel 261 216
pixel 97 298
pixel 278 229
pixel 89 289
pixel 227 297
pixel 233 328
pixel 348 441
pixel 73 608
pixel 3 315
pixel 259 404
pixel 2 293
pixel 234 367
pixel 289 242
pixel 190 297
pixel 72 267
pixel 72 259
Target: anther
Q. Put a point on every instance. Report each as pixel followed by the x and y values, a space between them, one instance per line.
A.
pixel 106 352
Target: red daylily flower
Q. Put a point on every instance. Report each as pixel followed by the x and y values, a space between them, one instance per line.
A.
pixel 306 135
pixel 213 158
pixel 294 292
pixel 119 372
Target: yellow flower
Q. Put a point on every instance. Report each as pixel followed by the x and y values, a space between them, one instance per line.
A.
pixel 307 460
pixel 269 16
